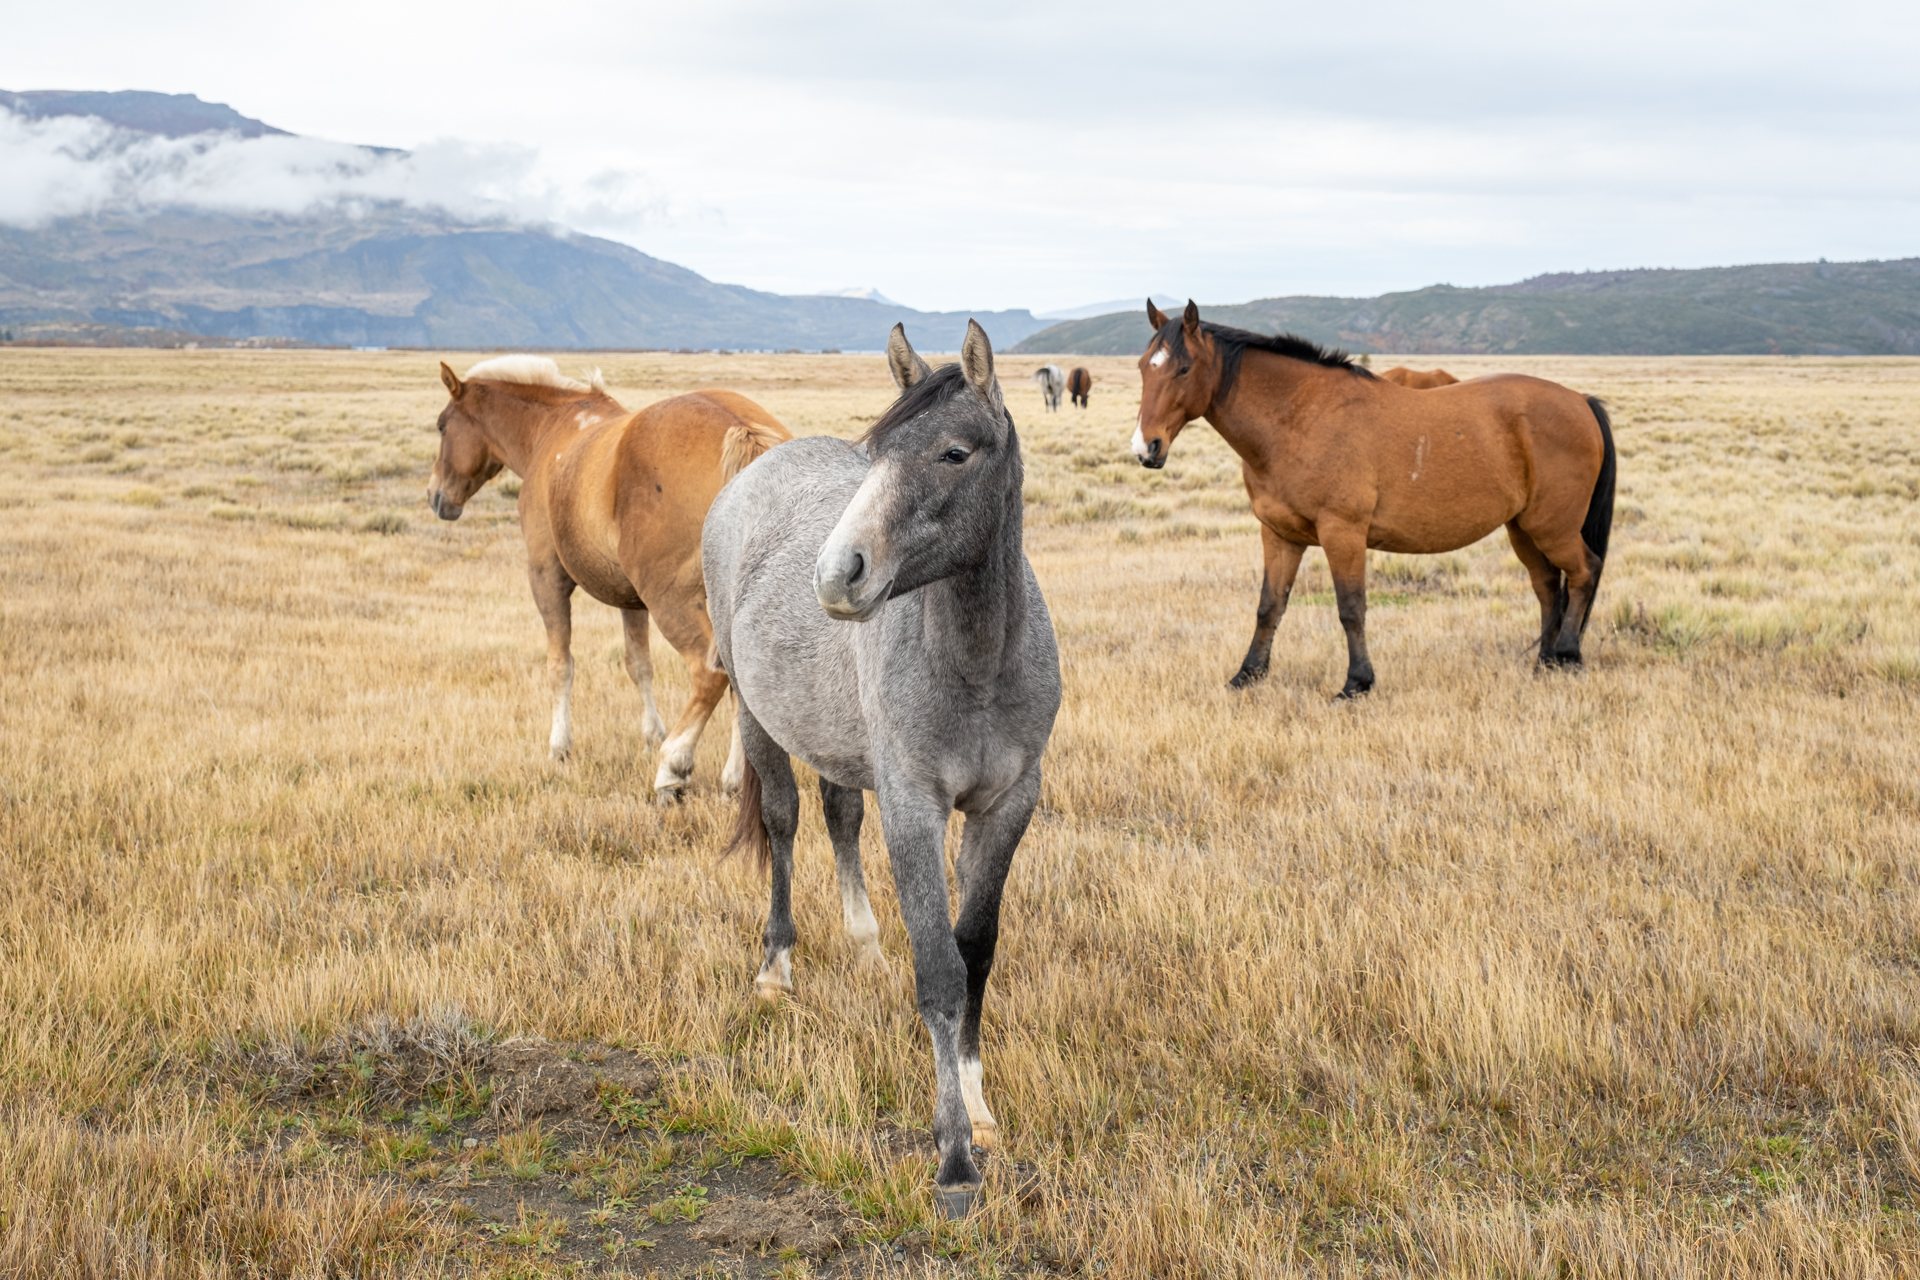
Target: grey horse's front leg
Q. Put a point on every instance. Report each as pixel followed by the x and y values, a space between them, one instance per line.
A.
pixel 987 846
pixel 780 813
pixel 916 828
pixel 845 808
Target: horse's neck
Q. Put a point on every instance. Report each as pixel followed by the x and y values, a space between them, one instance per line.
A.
pixel 976 620
pixel 522 429
pixel 1263 404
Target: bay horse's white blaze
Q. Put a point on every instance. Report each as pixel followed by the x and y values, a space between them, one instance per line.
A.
pixel 1139 443
pixel 1159 358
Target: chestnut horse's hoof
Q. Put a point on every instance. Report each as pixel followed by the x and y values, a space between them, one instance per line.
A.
pixel 955 1202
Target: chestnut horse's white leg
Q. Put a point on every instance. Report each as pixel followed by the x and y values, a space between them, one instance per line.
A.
pixel 640 666
pixel 553 596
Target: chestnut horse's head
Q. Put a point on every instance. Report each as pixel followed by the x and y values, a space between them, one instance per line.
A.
pixel 467 458
pixel 1179 372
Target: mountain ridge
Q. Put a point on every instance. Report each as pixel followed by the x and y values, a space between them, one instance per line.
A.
pixel 1805 308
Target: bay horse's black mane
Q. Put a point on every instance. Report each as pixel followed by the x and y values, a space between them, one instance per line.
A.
pixel 1231 344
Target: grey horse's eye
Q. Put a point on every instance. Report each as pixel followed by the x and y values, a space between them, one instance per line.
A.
pixel 955 455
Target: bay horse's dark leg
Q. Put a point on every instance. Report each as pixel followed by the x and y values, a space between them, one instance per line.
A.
pixel 1547 586
pixel 1568 552
pixel 845 808
pixel 916 829
pixel 553 596
pixel 780 812
pixel 1346 548
pixel 987 846
pixel 1280 565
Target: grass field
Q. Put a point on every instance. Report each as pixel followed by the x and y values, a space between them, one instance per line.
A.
pixel 312 964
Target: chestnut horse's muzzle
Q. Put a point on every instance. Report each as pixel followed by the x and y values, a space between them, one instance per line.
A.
pixel 442 507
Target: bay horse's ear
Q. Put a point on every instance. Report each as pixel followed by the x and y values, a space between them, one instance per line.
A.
pixel 976 365
pixel 1191 320
pixel 1155 316
pixel 455 387
pixel 902 360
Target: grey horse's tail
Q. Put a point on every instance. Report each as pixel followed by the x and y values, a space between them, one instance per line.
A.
pixel 749 829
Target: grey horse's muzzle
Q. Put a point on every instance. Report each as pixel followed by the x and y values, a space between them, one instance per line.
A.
pixel 843 579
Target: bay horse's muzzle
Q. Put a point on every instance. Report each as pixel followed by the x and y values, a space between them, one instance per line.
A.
pixel 1155 456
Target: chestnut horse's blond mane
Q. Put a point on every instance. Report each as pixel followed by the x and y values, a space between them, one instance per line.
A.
pixel 534 371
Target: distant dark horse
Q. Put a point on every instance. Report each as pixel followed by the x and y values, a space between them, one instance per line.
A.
pixel 877 614
pixel 1079 383
pixel 1053 380
pixel 1336 458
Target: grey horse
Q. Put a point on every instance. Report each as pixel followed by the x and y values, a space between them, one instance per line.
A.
pixel 875 610
pixel 1053 380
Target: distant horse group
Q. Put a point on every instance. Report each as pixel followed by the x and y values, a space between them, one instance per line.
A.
pixel 872 606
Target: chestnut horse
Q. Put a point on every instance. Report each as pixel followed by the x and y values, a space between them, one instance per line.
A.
pixel 1419 379
pixel 613 502
pixel 1079 384
pixel 1336 458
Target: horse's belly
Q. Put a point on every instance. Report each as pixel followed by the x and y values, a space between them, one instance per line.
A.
pixel 1444 505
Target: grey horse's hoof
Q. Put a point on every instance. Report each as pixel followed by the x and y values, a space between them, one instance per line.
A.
pixel 955 1202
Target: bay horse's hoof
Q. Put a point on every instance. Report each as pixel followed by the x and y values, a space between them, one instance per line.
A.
pixel 955 1202
pixel 1353 690
pixel 1244 677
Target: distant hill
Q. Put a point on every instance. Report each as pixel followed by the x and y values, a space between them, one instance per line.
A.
pixel 393 275
pixel 1809 308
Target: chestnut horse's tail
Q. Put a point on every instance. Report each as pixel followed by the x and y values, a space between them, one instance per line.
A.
pixel 1599 523
pixel 746 441
pixel 749 829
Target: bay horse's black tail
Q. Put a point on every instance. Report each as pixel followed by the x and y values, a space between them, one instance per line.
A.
pixel 749 828
pixel 1599 523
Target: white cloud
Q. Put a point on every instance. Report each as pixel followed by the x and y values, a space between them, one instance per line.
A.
pixel 68 165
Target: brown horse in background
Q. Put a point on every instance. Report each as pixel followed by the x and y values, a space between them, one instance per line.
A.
pixel 1079 384
pixel 613 502
pixel 1419 379
pixel 1336 458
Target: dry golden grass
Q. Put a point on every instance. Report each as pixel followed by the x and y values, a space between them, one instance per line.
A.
pixel 1494 973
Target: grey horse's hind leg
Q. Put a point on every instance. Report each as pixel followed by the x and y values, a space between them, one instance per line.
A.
pixel 916 827
pixel 780 813
pixel 845 807
pixel 987 846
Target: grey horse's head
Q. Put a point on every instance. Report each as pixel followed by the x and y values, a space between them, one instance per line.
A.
pixel 944 473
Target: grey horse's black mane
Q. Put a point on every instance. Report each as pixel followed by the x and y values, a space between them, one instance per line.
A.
pixel 1231 344
pixel 932 391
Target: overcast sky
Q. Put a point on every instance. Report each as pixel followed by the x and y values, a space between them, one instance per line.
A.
pixel 1032 155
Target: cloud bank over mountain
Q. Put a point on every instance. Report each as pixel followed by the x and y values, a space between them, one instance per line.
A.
pixel 75 166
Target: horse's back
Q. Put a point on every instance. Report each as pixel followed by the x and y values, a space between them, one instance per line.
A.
pixel 794 667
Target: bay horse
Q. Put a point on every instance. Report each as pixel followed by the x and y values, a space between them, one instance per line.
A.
pixel 1079 384
pixel 1419 379
pixel 610 501
pixel 1336 458
pixel 875 610
pixel 1053 380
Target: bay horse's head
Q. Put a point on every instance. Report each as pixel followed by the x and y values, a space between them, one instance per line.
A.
pixel 944 474
pixel 1179 371
pixel 467 458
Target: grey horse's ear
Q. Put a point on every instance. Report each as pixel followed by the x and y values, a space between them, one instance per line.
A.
pixel 904 362
pixel 1155 316
pixel 976 365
